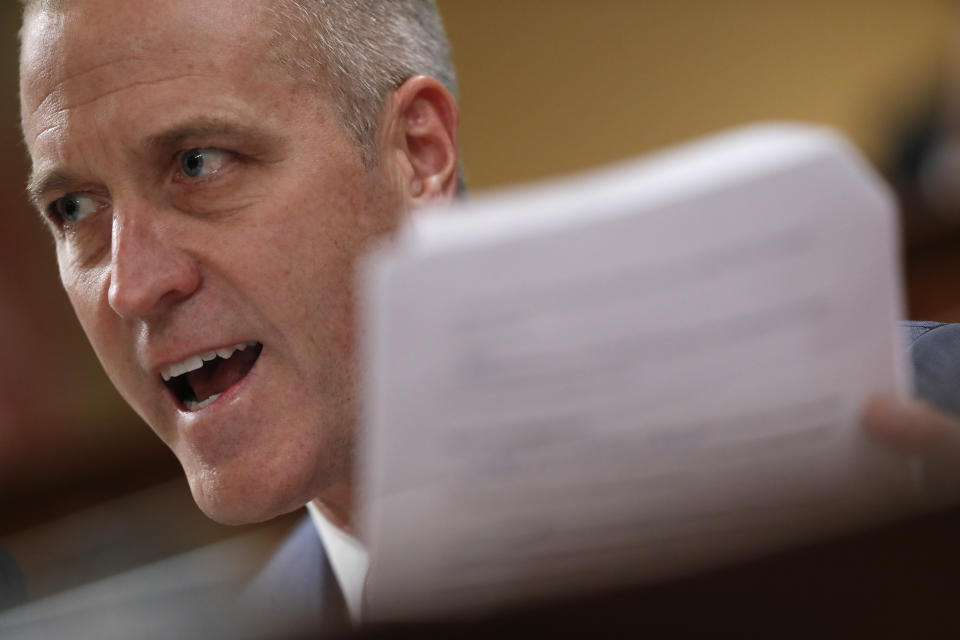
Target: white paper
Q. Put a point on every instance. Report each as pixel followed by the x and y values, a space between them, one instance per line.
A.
pixel 629 376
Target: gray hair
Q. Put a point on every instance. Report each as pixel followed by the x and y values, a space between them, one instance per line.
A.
pixel 361 51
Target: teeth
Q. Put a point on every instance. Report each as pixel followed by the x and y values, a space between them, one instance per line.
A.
pixel 195 362
pixel 190 364
pixel 193 405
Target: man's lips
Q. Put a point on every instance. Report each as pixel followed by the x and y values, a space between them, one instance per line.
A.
pixel 200 379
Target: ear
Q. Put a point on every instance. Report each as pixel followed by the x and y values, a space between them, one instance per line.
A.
pixel 420 141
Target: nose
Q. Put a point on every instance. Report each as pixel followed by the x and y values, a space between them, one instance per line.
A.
pixel 149 270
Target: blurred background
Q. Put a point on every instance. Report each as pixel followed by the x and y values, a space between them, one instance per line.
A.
pixel 547 87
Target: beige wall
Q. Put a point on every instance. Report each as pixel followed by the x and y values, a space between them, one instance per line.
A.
pixel 551 86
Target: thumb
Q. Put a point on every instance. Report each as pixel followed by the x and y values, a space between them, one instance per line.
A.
pixel 928 437
pixel 912 427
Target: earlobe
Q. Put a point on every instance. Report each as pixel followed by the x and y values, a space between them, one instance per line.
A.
pixel 424 135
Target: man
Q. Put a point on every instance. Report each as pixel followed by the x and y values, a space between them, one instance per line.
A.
pixel 209 180
pixel 210 172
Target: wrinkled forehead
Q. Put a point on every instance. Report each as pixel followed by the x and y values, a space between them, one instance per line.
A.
pixel 87 48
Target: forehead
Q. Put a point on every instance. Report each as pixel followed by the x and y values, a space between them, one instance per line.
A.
pixel 91 50
pixel 85 33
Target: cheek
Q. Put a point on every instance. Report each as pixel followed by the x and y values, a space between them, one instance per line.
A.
pixel 87 291
pixel 303 263
pixel 308 240
pixel 303 274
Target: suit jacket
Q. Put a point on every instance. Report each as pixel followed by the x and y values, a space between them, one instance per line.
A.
pixel 296 592
pixel 13 586
pixel 934 349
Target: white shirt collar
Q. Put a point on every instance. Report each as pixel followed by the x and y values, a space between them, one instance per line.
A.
pixel 348 559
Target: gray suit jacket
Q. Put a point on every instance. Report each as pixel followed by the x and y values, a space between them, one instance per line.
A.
pixel 934 350
pixel 296 593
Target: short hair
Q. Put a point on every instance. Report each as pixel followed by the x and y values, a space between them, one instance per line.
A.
pixel 359 51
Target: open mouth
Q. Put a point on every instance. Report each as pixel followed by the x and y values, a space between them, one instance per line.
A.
pixel 199 380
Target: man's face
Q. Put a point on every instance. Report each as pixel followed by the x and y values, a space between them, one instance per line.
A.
pixel 201 200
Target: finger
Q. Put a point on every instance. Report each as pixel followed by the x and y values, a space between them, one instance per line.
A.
pixel 912 426
pixel 930 438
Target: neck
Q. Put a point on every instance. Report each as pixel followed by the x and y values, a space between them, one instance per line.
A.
pixel 337 505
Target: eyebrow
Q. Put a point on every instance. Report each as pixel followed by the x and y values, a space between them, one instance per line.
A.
pixel 43 183
pixel 204 127
pixel 177 136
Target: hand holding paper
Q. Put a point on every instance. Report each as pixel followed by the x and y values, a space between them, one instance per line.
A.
pixel 632 375
pixel 929 439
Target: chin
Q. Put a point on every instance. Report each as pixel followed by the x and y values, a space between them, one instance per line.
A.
pixel 239 498
pixel 227 509
pixel 257 474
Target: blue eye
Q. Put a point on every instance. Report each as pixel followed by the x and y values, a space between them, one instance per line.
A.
pixel 199 163
pixel 74 207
